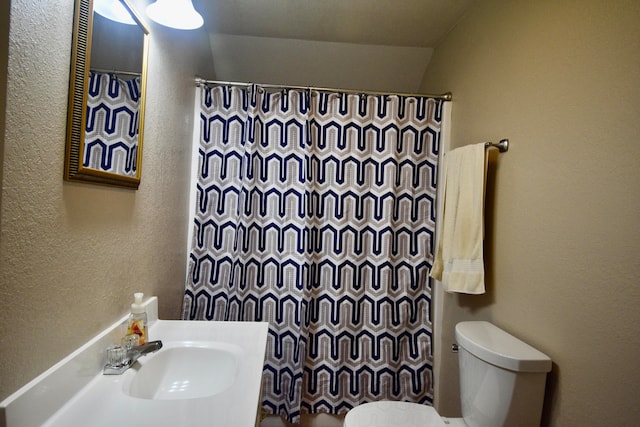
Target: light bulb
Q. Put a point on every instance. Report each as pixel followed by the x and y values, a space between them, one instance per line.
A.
pixel 179 14
pixel 113 10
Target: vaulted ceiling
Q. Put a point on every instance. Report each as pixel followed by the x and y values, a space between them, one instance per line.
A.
pixel 380 45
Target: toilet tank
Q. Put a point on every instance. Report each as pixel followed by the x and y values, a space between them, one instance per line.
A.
pixel 502 379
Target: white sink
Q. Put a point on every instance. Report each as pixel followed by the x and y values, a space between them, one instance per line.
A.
pixel 184 370
pixel 207 374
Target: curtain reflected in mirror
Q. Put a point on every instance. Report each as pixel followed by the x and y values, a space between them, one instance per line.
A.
pixel 106 106
pixel 111 134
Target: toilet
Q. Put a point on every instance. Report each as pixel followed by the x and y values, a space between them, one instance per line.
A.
pixel 502 382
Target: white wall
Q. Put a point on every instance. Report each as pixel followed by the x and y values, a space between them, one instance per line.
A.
pixel 71 255
pixel 561 80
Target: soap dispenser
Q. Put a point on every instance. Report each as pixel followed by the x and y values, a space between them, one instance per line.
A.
pixel 138 319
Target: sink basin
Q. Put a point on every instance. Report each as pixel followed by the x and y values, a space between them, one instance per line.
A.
pixel 207 374
pixel 184 370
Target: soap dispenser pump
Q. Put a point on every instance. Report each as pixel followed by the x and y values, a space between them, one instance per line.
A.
pixel 138 319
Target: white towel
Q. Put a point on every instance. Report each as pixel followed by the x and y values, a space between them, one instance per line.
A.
pixel 459 261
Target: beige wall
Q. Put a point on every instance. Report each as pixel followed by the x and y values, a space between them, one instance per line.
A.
pixel 561 80
pixel 4 56
pixel 72 254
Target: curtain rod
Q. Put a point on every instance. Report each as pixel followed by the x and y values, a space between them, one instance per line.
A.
pixel 124 73
pixel 445 96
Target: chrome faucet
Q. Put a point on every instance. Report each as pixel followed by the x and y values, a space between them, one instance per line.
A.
pixel 120 358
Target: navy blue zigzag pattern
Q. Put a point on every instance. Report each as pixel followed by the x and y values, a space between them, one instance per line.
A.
pixel 316 213
pixel 112 125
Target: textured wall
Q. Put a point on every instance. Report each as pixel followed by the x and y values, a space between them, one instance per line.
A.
pixel 4 56
pixel 71 255
pixel 561 80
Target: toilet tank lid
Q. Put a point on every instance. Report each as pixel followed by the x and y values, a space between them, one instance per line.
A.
pixel 493 345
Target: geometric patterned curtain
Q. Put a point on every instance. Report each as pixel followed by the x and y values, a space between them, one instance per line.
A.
pixel 316 212
pixel 111 139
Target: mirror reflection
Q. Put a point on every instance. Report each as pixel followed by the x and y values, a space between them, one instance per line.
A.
pixel 113 97
pixel 107 149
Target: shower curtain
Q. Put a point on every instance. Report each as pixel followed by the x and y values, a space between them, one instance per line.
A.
pixel 111 138
pixel 315 212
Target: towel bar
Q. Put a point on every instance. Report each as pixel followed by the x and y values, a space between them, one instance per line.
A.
pixel 502 146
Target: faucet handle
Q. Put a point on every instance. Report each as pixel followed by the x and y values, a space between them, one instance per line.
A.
pixel 130 341
pixel 116 355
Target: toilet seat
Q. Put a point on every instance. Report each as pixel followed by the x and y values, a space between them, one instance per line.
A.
pixel 393 414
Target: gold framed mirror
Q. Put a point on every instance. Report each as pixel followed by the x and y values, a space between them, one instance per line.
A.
pixel 107 92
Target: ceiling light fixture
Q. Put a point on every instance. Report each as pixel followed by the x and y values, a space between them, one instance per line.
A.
pixel 179 14
pixel 113 10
